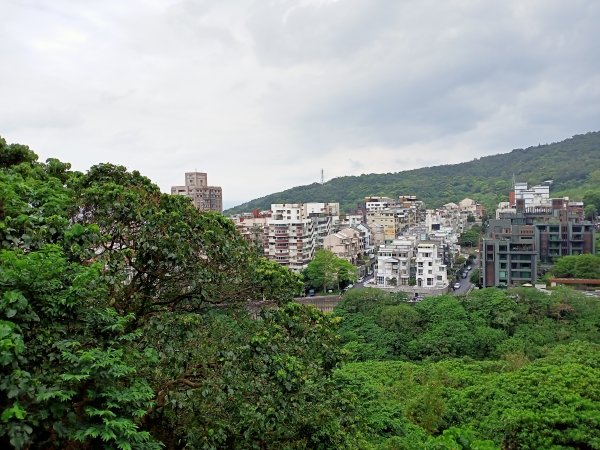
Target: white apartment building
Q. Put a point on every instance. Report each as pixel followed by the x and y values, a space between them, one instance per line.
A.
pixel 394 263
pixel 290 236
pixel 378 203
pixel 535 196
pixel 327 209
pixel 431 271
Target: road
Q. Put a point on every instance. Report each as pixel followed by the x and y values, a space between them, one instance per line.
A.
pixel 465 284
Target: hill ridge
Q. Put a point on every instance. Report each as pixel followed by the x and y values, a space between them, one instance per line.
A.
pixel 486 179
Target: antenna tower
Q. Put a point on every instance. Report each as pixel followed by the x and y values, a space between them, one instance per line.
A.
pixel 322 177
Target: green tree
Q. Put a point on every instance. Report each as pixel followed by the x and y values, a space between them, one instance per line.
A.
pixel 469 238
pixel 98 269
pixel 66 376
pixel 579 266
pixel 327 270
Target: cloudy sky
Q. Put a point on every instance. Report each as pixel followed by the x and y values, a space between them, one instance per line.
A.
pixel 263 94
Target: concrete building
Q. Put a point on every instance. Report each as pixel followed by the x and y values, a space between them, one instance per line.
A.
pixel 204 197
pixel 431 270
pixel 290 236
pixel 393 221
pixel 394 263
pixel 508 254
pixel 527 238
pixel 346 244
pixel 378 203
pixel 412 266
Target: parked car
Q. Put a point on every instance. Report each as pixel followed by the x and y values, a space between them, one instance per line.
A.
pixel 456 286
pixel 311 292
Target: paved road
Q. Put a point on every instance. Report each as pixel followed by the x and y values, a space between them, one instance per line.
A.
pixel 465 284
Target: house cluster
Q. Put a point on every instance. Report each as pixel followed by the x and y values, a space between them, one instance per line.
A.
pixel 290 233
pixel 418 258
pixel 529 233
pixel 406 247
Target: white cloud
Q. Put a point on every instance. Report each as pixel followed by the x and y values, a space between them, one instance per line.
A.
pixel 262 95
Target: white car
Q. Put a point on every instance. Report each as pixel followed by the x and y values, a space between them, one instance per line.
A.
pixel 456 286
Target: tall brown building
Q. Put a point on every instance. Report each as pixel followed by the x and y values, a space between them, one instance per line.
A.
pixel 203 196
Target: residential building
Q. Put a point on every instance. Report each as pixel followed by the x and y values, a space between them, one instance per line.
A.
pixel 529 234
pixel 393 220
pixel 346 244
pixel 378 203
pixel 394 263
pixel 508 254
pixel 290 236
pixel 431 270
pixel 204 197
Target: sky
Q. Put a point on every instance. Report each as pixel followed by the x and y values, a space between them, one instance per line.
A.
pixel 264 94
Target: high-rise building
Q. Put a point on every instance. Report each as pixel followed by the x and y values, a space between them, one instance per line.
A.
pixel 203 196
pixel 290 236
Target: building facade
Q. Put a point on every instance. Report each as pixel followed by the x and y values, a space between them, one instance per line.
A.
pixel 529 234
pixel 290 236
pixel 204 197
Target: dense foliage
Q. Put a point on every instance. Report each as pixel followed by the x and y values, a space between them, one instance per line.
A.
pixel 327 271
pixel 486 180
pixel 577 266
pixel 125 323
pixel 495 369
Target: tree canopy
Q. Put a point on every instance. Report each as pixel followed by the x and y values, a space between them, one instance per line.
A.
pixel 577 266
pixel 328 271
pixel 125 323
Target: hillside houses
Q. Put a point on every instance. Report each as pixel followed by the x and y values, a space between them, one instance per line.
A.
pixel 407 247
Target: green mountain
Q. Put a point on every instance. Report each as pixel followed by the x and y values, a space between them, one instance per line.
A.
pixel 573 164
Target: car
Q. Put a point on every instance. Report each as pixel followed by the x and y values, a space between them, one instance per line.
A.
pixel 456 286
pixel 464 274
pixel 468 267
pixel 311 293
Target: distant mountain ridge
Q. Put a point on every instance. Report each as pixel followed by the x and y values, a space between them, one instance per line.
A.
pixel 573 165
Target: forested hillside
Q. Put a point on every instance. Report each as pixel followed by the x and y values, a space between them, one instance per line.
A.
pixel 493 370
pixel 571 164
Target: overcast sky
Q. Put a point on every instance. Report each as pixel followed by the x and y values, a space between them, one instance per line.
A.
pixel 263 94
